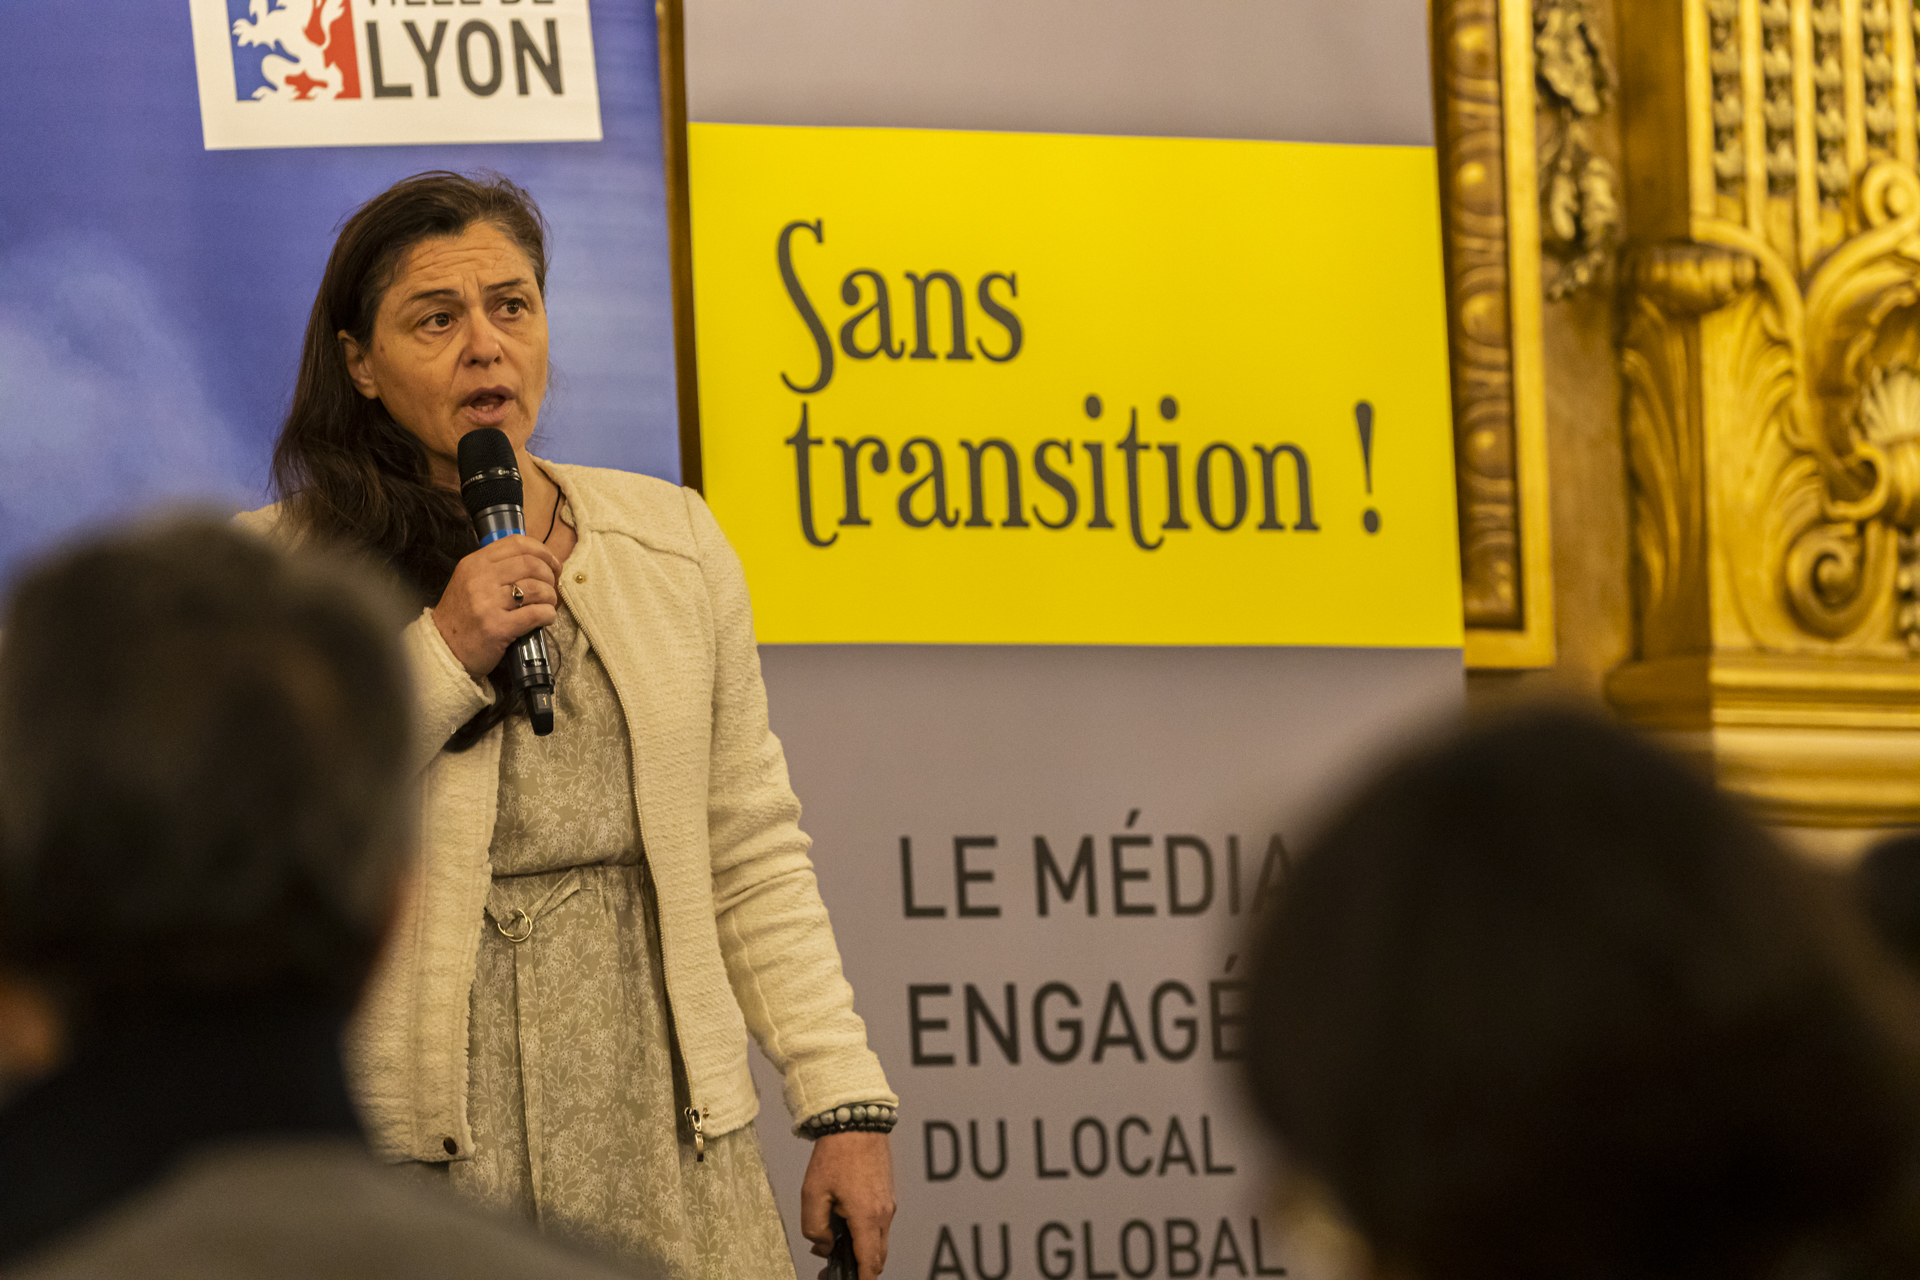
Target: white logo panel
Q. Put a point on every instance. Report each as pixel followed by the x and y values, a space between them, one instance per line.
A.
pixel 347 73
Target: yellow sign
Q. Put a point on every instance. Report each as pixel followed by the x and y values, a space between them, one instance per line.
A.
pixel 1038 389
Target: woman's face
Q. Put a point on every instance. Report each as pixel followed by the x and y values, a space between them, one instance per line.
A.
pixel 460 342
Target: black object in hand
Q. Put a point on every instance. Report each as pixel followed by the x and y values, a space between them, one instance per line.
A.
pixel 490 487
pixel 841 1264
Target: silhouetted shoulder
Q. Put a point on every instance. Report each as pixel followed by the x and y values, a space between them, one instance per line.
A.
pixel 314 1209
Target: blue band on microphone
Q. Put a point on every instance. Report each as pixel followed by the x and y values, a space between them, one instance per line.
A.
pixel 497 534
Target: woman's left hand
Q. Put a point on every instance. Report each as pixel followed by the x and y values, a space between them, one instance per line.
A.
pixel 850 1174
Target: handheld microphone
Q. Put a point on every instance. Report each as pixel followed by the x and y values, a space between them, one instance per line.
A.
pixel 491 489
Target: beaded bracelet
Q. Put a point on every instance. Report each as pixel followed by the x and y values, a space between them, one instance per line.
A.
pixel 855 1117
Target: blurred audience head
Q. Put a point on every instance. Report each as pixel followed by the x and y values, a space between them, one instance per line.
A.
pixel 1888 885
pixel 202 765
pixel 1541 1003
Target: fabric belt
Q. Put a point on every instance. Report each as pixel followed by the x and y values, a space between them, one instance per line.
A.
pixel 514 922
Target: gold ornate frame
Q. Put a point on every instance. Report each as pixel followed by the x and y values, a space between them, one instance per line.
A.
pixel 670 16
pixel 1484 118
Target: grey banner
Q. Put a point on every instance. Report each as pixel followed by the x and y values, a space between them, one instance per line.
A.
pixel 1040 863
pixel 1291 70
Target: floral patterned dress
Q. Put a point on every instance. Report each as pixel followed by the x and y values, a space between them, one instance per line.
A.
pixel 575 1091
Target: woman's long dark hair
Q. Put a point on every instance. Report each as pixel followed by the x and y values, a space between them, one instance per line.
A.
pixel 347 473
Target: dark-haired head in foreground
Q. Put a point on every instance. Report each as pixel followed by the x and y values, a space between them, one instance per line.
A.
pixel 1887 883
pixel 1541 1004
pixel 205 804
pixel 203 814
pixel 201 746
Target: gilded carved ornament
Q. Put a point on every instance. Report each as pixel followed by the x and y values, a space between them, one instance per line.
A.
pixel 1483 71
pixel 1816 459
pixel 1579 211
pixel 1523 196
pixel 1770 357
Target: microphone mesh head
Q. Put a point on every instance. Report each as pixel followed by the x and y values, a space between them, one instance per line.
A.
pixel 483 450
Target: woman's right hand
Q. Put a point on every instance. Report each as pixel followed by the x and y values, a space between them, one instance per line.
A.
pixel 477 614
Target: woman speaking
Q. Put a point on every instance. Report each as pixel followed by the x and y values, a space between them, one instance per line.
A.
pixel 599 916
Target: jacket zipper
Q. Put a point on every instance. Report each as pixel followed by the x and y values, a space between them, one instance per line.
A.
pixel 693 1114
pixel 699 1135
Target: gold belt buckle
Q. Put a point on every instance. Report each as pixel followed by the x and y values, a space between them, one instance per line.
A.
pixel 521 921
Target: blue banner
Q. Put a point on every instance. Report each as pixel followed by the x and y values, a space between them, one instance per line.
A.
pixel 153 292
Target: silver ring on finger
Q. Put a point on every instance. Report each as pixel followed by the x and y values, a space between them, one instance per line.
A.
pixel 519 596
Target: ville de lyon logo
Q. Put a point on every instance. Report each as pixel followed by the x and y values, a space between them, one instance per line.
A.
pixel 382 72
pixel 295 50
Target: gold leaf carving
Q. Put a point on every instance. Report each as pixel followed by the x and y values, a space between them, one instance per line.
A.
pixel 1666 463
pixel 1771 362
pixel 1691 278
pixel 1467 61
pixel 1579 211
pixel 1827 575
pixel 1806 400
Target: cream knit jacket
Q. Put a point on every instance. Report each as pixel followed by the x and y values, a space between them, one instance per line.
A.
pixel 743 932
